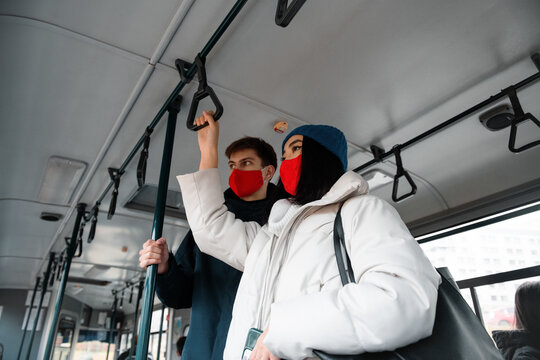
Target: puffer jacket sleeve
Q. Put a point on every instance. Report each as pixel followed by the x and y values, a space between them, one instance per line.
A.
pixel 216 230
pixel 392 303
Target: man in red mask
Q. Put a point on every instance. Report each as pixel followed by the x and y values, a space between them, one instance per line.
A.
pixel 207 285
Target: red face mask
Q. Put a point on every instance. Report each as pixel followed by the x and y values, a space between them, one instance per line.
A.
pixel 289 172
pixel 245 183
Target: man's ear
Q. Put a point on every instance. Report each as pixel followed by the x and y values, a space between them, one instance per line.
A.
pixel 270 172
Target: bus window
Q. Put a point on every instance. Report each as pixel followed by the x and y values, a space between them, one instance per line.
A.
pixel 155 333
pixel 504 246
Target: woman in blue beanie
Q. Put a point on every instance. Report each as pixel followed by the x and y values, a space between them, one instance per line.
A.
pixel 291 288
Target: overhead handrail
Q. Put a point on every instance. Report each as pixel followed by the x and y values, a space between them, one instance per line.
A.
pixel 188 75
pixel 204 90
pixel 451 121
pixel 519 117
pixel 285 12
pixel 400 172
pixel 141 166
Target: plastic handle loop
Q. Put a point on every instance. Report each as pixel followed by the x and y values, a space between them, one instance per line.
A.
pixel 79 245
pixel 143 159
pixel 285 12
pixel 203 91
pixel 115 176
pixel 519 117
pixel 399 173
pixel 93 224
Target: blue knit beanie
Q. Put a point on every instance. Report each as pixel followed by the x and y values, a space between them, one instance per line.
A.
pixel 329 137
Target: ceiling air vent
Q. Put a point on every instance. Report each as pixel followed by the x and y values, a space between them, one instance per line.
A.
pixel 144 199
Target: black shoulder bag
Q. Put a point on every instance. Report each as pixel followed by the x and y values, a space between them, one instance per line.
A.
pixel 457 333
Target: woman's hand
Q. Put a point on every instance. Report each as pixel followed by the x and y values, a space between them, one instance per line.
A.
pixel 260 351
pixel 155 252
pixel 208 140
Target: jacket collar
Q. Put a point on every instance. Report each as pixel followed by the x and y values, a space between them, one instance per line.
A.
pixel 284 212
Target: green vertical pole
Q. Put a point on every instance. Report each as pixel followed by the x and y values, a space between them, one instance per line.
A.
pixel 157 229
pixel 72 246
pixel 112 327
pixel 134 336
pixel 160 331
pixel 28 317
pixel 38 311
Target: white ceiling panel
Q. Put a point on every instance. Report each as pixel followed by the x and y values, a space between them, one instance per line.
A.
pixel 22 232
pixel 368 62
pixel 63 89
pixel 133 25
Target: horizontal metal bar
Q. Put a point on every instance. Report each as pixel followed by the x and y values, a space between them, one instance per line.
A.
pixel 451 121
pixel 500 277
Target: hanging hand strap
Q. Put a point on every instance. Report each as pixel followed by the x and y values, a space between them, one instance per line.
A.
pixel 203 91
pixel 346 273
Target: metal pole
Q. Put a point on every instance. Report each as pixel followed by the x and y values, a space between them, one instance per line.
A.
pixel 38 311
pixel 72 246
pixel 28 317
pixel 157 229
pixel 476 305
pixel 134 336
pixel 160 330
pixel 451 121
pixel 112 327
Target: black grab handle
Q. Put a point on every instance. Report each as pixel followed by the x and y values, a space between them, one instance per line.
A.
pixel 203 91
pixel 285 12
pixel 399 173
pixel 519 117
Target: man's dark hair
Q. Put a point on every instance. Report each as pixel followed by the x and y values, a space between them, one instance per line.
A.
pixel 527 309
pixel 264 150
pixel 320 169
pixel 180 344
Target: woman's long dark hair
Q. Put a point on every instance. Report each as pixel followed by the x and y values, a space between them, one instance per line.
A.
pixel 320 169
pixel 527 307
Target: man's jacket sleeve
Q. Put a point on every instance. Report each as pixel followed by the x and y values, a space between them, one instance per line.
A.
pixel 175 288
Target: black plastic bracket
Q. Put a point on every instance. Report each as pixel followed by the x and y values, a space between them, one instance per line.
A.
pixel 285 12
pixel 174 106
pixel 399 173
pixel 519 117
pixel 202 92
pixel 536 60
pixel 182 66
pixel 141 166
pixel 377 153
pixel 115 176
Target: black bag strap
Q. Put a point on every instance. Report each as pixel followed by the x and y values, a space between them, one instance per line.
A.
pixel 346 273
